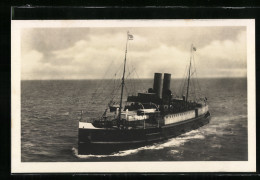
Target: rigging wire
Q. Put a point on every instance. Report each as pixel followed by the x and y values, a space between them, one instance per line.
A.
pixel 130 65
pixel 104 84
pixel 142 82
pixel 195 85
pixel 130 82
pixel 183 82
pixel 105 74
pixel 196 75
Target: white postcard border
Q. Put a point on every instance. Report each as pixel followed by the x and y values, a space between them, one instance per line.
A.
pixel 161 166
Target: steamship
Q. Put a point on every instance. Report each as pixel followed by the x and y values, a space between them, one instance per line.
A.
pixel 146 118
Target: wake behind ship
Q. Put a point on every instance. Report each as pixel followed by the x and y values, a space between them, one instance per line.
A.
pixel 148 117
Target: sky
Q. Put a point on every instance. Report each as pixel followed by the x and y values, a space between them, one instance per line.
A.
pixel 96 53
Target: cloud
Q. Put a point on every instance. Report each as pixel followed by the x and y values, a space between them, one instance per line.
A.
pixel 220 56
pixel 83 53
pixel 30 63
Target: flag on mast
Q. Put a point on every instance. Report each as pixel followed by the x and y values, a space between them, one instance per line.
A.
pixel 194 49
pixel 130 37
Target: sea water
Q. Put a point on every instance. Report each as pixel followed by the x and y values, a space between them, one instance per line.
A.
pixel 50 111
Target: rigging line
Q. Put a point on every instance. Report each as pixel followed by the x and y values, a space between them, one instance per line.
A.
pixel 187 93
pixel 115 96
pixel 183 84
pixel 193 89
pixel 126 90
pixel 98 92
pixel 192 82
pixel 133 79
pixel 108 69
pixel 106 97
pixel 117 88
pixel 102 83
pixel 140 79
pixel 105 86
pixel 133 76
pixel 130 80
pixel 196 73
pixel 116 82
pixel 116 91
pixel 197 87
pixel 112 100
pixel 112 94
pixel 119 68
pixel 129 73
pixel 108 83
pixel 114 86
pixel 184 80
pixel 132 83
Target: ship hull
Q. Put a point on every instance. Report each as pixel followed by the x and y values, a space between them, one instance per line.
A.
pixel 106 141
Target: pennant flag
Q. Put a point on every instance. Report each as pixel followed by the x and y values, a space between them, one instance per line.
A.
pixel 194 49
pixel 130 37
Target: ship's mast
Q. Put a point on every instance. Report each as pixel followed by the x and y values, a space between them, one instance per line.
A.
pixel 123 79
pixel 187 94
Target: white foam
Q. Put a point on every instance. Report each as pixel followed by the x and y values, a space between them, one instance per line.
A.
pixel 174 151
pixel 174 142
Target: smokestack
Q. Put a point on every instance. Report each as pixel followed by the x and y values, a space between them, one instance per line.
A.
pixel 166 84
pixel 157 84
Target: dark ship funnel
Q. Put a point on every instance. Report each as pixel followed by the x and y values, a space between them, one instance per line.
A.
pixel 166 85
pixel 157 84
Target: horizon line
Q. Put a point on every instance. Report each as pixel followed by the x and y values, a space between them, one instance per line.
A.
pixel 119 79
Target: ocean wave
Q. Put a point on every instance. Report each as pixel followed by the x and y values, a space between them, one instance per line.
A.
pixel 174 142
pixel 174 151
pixel 228 118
